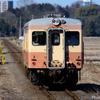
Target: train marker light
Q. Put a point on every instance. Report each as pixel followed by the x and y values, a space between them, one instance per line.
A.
pixel 78 63
pixel 33 63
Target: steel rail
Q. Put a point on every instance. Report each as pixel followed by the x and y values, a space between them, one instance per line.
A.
pixel 14 46
pixel 49 95
pixel 8 45
pixel 72 95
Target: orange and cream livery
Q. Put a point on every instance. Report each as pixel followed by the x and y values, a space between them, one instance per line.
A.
pixel 53 50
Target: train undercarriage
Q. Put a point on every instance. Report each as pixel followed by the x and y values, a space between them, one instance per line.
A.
pixel 48 77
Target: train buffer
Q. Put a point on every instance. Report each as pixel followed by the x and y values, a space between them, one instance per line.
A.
pixel 2 59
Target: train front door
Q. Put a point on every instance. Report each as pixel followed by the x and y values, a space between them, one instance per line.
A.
pixel 56 48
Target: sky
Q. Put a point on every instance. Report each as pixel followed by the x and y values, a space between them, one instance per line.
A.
pixel 63 3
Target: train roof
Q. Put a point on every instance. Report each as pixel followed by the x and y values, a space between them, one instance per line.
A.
pixel 48 21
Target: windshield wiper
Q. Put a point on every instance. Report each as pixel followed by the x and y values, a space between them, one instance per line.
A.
pixel 70 43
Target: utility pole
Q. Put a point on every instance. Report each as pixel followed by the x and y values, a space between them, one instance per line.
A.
pixel 20 30
pixel 32 16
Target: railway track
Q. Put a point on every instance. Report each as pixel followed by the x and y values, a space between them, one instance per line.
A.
pixel 49 94
pixel 13 49
pixel 18 53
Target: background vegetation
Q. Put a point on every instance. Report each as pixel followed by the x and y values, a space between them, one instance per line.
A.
pixel 90 16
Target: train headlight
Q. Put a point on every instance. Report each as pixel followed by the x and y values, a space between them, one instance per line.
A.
pixel 56 21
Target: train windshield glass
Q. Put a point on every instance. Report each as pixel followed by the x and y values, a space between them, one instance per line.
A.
pixel 39 38
pixel 72 38
pixel 55 39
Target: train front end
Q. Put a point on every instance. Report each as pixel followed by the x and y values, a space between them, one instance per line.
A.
pixel 55 49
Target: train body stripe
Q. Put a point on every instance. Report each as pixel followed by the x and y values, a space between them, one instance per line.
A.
pixel 41 57
pixel 45 27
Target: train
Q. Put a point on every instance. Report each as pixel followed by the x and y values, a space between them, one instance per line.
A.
pixel 52 50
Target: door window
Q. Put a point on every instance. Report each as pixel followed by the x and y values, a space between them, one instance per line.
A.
pixel 55 39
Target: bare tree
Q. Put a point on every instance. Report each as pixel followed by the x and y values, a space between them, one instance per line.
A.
pixel 55 6
pixel 24 3
pixel 7 14
pixel 77 4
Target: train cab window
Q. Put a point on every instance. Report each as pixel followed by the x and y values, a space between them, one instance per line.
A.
pixel 55 39
pixel 72 38
pixel 39 38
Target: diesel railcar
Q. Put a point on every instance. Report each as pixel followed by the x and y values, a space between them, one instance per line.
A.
pixel 53 50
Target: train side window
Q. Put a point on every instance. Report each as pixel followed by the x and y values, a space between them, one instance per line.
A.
pixel 38 38
pixel 72 38
pixel 55 39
